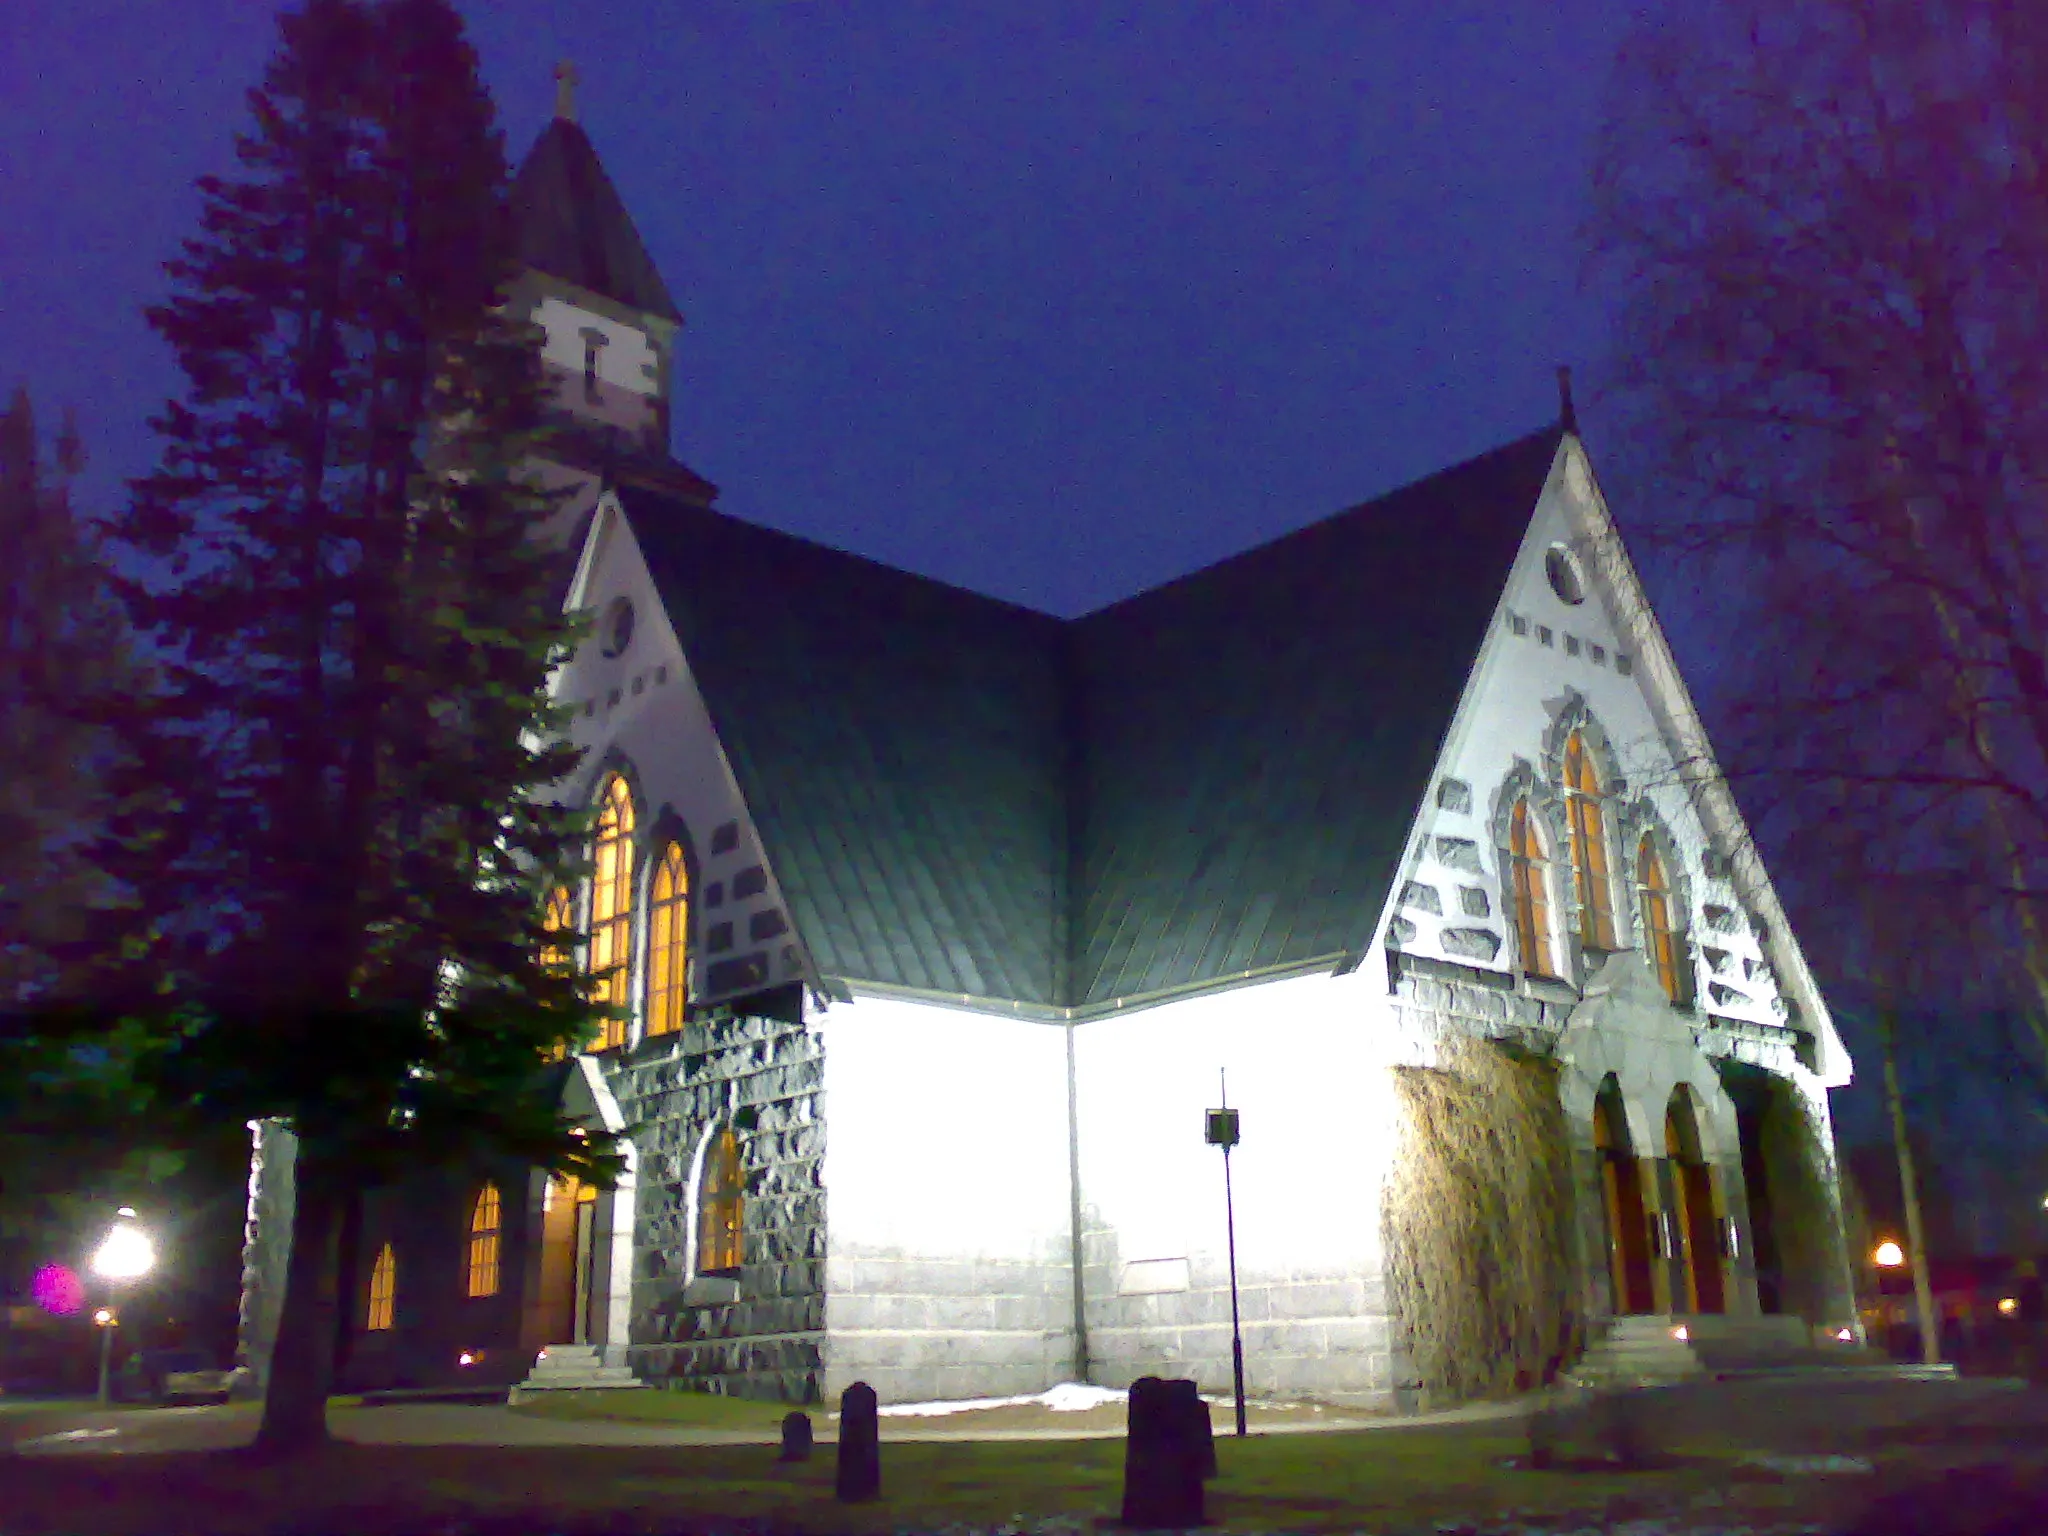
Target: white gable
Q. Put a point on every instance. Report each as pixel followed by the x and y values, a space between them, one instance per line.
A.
pixel 1547 663
pixel 640 712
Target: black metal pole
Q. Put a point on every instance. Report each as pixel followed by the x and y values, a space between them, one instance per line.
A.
pixel 1236 1335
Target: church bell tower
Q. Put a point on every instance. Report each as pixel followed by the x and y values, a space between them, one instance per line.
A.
pixel 608 322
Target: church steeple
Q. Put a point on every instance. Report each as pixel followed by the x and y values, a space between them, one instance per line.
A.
pixel 609 320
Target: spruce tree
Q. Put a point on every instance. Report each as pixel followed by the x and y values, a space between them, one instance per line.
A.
pixel 357 630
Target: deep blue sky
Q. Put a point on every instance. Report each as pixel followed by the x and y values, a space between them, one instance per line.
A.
pixel 1052 300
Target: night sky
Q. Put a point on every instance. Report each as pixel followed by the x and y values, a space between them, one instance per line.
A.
pixel 1052 300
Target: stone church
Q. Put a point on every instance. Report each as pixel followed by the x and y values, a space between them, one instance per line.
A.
pixel 937 921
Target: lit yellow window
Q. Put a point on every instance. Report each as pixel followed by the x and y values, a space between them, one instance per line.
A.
pixel 485 1218
pixel 1593 884
pixel 1531 871
pixel 668 943
pixel 721 1207
pixel 1658 939
pixel 383 1290
pixel 611 905
pixel 560 953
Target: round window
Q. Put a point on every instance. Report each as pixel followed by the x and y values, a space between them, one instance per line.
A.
pixel 1564 576
pixel 616 633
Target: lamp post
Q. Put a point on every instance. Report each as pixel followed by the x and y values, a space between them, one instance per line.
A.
pixel 1221 1131
pixel 125 1253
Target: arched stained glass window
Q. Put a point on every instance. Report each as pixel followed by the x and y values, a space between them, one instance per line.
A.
pixel 1594 885
pixel 611 905
pixel 1659 941
pixel 1529 866
pixel 485 1220
pixel 668 943
pixel 721 1207
pixel 383 1290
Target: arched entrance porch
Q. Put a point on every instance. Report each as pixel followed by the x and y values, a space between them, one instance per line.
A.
pixel 1627 1221
pixel 1698 1284
pixel 580 1291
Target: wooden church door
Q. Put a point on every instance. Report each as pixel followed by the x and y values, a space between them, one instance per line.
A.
pixel 1621 1180
pixel 1699 1229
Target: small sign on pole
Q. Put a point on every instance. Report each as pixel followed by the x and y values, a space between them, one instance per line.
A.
pixel 1220 1130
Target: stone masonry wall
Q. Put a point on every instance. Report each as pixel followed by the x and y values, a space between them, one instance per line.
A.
pixel 765 1076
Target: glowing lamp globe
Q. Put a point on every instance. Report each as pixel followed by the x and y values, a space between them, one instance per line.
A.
pixel 125 1254
pixel 1889 1255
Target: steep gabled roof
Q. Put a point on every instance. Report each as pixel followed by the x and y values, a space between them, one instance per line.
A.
pixel 897 742
pixel 573 225
pixel 1256 738
pixel 965 797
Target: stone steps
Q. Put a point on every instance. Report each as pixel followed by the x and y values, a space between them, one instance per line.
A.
pixel 1652 1350
pixel 573 1368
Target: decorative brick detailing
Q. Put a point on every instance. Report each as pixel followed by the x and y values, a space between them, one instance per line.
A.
pixel 1454 795
pixel 1459 853
pixel 1423 898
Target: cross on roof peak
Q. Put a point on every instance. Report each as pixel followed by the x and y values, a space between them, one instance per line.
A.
pixel 565 91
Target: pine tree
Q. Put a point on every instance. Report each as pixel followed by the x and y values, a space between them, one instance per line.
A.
pixel 357 631
pixel 68 1069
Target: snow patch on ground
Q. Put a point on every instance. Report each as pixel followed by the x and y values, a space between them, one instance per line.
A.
pixel 1067 1397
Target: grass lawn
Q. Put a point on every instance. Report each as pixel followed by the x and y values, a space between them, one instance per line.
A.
pixel 1337 1482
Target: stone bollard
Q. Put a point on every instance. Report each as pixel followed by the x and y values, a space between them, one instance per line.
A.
pixel 860 1445
pixel 796 1437
pixel 1166 1456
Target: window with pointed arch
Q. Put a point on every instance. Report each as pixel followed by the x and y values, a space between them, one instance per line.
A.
pixel 1660 940
pixel 611 905
pixel 1529 866
pixel 486 1219
pixel 559 952
pixel 668 943
pixel 383 1291
pixel 721 1206
pixel 1592 883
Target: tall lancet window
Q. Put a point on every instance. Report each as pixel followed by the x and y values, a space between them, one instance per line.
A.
pixel 1593 884
pixel 1529 867
pixel 1659 941
pixel 383 1291
pixel 485 1219
pixel 559 952
pixel 721 1207
pixel 611 905
pixel 668 943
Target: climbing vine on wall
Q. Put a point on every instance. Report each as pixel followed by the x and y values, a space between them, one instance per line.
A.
pixel 1806 1221
pixel 1478 1216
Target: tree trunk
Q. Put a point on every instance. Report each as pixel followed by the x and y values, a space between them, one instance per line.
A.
pixel 348 1289
pixel 302 1363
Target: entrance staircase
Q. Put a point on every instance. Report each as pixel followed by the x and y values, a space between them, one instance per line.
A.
pixel 573 1368
pixel 1657 1350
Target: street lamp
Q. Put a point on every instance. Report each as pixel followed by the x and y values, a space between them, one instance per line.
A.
pixel 125 1253
pixel 1889 1255
pixel 1220 1130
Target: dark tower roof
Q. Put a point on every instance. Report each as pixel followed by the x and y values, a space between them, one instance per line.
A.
pixel 573 225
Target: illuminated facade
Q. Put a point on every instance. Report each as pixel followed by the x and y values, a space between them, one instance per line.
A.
pixel 933 921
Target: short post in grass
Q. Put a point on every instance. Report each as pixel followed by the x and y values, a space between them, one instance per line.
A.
pixel 1221 1129
pixel 796 1437
pixel 860 1445
pixel 1166 1450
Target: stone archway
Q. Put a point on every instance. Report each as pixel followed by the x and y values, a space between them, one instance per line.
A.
pixel 1698 1284
pixel 1621 1188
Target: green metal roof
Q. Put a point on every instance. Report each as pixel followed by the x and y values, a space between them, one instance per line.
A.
pixel 573 225
pixel 1218 775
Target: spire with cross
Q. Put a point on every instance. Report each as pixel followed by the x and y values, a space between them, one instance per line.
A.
pixel 565 91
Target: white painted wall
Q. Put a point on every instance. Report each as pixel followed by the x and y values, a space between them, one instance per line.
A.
pixel 643 708
pixel 947 1199
pixel 627 360
pixel 1307 1063
pixel 1519 688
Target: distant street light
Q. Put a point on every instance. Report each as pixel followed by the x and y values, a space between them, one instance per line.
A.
pixel 124 1254
pixel 1889 1255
